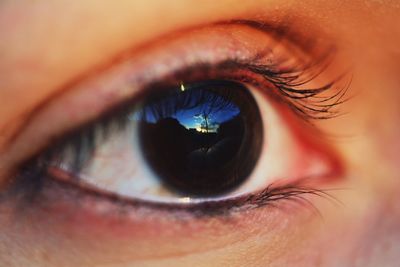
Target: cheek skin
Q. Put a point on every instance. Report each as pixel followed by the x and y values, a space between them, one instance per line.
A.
pixel 296 237
pixel 114 240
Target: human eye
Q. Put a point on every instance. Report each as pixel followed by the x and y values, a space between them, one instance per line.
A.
pixel 210 122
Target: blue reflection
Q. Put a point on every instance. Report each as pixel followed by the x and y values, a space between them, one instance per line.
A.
pixel 204 118
pixel 200 110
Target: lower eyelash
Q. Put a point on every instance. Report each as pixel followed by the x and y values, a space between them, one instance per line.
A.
pixel 35 187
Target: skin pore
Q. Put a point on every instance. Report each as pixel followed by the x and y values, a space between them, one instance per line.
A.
pixel 47 46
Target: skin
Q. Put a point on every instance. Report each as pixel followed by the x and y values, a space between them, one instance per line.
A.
pixel 44 47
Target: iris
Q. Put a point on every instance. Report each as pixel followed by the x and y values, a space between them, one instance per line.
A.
pixel 201 139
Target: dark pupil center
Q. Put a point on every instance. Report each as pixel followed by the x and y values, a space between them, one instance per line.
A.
pixel 201 139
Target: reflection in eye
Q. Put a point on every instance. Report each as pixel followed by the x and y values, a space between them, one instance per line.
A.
pixel 203 139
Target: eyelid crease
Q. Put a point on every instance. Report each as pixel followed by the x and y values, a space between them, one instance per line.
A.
pixel 284 30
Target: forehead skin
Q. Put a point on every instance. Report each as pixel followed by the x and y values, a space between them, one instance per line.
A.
pixel 47 44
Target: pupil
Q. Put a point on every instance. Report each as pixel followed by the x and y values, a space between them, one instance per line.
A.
pixel 201 139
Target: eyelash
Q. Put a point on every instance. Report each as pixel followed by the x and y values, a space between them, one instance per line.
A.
pixel 227 207
pixel 306 103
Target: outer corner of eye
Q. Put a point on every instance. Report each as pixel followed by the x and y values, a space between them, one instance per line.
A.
pixel 293 152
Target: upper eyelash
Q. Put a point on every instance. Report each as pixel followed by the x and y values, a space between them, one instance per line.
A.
pixel 309 103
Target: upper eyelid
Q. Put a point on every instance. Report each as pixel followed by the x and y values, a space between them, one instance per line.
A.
pixel 33 115
pixel 277 29
pixel 280 31
pixel 281 25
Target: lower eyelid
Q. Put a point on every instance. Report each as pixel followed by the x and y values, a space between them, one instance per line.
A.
pixel 76 220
